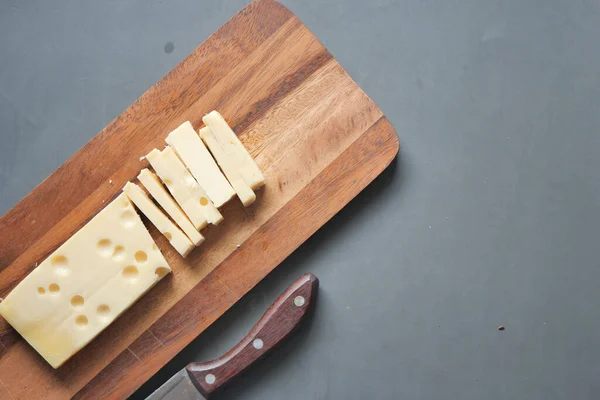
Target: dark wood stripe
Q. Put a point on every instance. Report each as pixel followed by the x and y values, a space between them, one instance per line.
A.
pixel 9 337
pixel 145 345
pixel 284 86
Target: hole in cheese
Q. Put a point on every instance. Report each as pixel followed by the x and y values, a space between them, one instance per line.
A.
pixel 54 288
pixel 41 290
pixel 128 218
pixel 104 247
pixel 103 309
pixel 161 271
pixel 77 301
pixel 81 320
pixel 60 265
pixel 59 260
pixel 119 253
pixel 141 256
pixel 168 235
pixel 154 247
pixel 130 273
pixel 203 201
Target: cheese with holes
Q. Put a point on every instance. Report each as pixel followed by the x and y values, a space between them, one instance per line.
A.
pixel 164 199
pixel 86 283
pixel 184 188
pixel 234 149
pixel 178 240
pixel 188 145
pixel 229 167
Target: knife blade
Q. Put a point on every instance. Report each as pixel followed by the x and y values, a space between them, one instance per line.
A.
pixel 198 381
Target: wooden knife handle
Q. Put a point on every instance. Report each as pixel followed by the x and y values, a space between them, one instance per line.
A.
pixel 282 317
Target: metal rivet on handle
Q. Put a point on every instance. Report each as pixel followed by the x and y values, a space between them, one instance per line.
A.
pixel 299 301
pixel 210 379
pixel 258 344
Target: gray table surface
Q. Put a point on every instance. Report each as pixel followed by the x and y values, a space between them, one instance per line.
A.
pixel 490 215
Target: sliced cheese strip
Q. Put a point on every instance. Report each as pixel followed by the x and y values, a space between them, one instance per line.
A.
pixel 177 189
pixel 178 240
pixel 159 193
pixel 184 188
pixel 188 145
pixel 229 167
pixel 234 149
pixel 86 283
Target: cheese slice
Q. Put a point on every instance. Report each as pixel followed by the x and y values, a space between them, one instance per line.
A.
pixel 159 193
pixel 184 188
pixel 86 283
pixel 234 149
pixel 178 240
pixel 229 167
pixel 190 149
pixel 177 188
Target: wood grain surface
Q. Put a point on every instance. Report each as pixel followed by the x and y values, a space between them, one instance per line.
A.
pixel 317 137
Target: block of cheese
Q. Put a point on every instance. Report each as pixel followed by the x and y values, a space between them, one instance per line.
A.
pixel 86 283
pixel 188 145
pixel 178 240
pixel 234 149
pixel 229 167
pixel 184 188
pixel 160 194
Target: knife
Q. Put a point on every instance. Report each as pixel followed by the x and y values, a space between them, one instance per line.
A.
pixel 198 381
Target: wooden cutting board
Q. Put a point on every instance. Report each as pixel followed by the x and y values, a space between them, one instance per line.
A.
pixel 315 134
